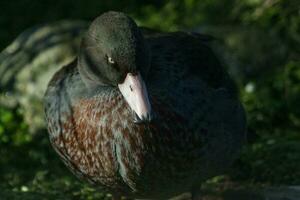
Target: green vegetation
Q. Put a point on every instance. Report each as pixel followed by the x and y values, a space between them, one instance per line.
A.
pixel 262 35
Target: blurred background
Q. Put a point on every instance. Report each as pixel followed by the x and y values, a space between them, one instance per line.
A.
pixel 257 40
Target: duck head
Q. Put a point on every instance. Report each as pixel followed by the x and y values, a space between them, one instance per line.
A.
pixel 113 52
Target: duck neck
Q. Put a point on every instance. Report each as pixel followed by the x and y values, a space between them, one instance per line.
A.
pixel 89 78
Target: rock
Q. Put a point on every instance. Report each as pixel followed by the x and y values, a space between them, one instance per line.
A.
pixel 272 193
pixel 282 193
pixel 29 62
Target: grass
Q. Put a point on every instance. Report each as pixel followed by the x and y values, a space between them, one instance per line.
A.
pixel 34 171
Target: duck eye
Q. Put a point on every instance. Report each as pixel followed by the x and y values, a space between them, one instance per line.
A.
pixel 110 60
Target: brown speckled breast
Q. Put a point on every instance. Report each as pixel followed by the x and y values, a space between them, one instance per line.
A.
pixel 100 143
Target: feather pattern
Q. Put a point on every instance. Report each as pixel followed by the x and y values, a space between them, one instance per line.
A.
pixel 198 130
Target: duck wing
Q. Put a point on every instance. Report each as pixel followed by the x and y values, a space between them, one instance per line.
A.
pixel 185 70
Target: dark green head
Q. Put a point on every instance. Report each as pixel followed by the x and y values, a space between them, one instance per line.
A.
pixel 112 47
pixel 113 52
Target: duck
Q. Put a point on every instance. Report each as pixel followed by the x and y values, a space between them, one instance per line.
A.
pixel 144 114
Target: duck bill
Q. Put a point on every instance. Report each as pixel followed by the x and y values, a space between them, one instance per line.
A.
pixel 135 93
